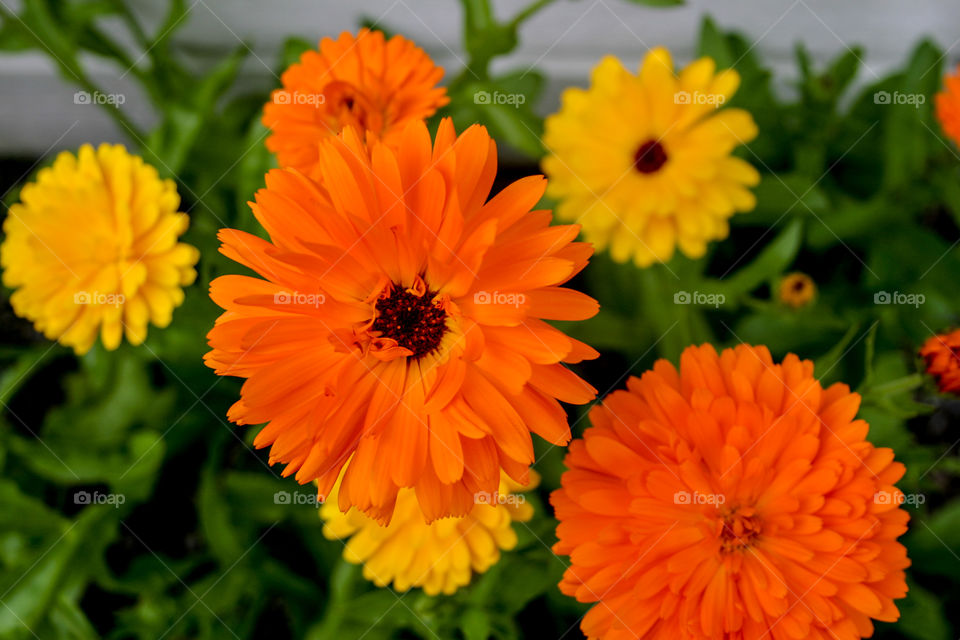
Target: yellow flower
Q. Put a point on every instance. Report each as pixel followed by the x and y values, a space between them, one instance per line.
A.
pixel 643 161
pixel 797 289
pixel 438 556
pixel 92 248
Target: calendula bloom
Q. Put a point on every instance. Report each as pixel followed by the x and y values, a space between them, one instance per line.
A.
pixel 644 161
pixel 440 556
pixel 400 321
pixel 948 106
pixel 734 498
pixel 366 81
pixel 797 290
pixel 942 356
pixel 91 248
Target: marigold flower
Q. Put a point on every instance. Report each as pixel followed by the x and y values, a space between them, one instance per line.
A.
pixel 736 498
pixel 942 355
pixel 797 290
pixel 643 161
pixel 400 321
pixel 92 248
pixel 948 106
pixel 366 81
pixel 438 556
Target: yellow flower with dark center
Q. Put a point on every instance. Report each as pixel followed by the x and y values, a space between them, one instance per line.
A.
pixel 92 248
pixel 797 290
pixel 441 556
pixel 644 161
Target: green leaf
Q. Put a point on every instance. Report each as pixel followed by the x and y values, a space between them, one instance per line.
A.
pixel 772 261
pixel 475 624
pixel 931 543
pixel 35 587
pixel 907 140
pixel 713 43
pixel 293 48
pixel 786 194
pixel 922 615
pixel 30 362
pixel 68 622
pixel 23 514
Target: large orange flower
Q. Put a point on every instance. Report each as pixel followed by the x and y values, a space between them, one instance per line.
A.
pixel 948 106
pixel 400 320
pixel 734 499
pixel 366 81
pixel 942 356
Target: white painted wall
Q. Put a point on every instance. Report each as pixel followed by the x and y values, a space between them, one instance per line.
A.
pixel 38 114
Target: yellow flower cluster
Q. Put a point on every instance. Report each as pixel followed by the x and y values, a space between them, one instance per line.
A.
pixel 440 556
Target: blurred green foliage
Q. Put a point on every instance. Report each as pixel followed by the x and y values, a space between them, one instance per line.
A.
pixel 861 195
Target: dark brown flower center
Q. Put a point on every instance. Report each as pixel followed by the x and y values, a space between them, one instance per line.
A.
pixel 649 157
pixel 415 322
pixel 739 528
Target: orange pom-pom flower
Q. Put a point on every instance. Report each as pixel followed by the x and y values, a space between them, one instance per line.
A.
pixel 948 106
pixel 734 498
pixel 367 82
pixel 942 355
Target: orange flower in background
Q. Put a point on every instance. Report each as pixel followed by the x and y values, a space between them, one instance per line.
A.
pixel 366 81
pixel 400 320
pixel 948 106
pixel 942 355
pixel 736 498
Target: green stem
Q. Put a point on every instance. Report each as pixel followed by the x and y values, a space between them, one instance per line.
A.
pixel 342 583
pixel 899 385
pixel 529 12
